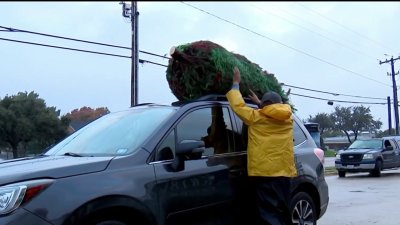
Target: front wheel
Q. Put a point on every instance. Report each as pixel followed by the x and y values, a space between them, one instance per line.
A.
pixel 302 209
pixel 342 173
pixel 111 222
pixel 377 170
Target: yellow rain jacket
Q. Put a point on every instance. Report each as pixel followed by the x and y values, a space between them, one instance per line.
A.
pixel 270 151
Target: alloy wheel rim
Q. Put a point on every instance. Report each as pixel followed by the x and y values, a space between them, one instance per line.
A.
pixel 302 214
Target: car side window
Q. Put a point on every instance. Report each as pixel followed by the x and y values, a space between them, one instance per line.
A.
pixel 389 143
pixel 211 125
pixel 298 134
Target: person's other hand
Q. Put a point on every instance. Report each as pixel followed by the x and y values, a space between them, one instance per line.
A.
pixel 254 98
pixel 236 75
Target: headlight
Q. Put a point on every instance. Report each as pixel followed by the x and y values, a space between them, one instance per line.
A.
pixel 13 195
pixel 368 156
pixel 11 198
pixel 337 156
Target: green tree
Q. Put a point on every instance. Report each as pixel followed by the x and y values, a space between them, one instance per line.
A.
pixel 81 117
pixel 324 120
pixel 354 119
pixel 26 120
pixel 87 114
pixel 386 133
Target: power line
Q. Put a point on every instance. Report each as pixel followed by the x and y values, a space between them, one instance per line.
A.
pixel 140 61
pixel 285 45
pixel 78 40
pixel 147 61
pixel 307 29
pixel 332 93
pixel 154 63
pixel 80 50
pixel 65 48
pixel 343 26
pixel 325 99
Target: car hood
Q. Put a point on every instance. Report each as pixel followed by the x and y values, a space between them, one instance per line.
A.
pixel 49 167
pixel 359 150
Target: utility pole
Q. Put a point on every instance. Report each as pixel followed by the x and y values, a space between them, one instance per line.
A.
pixel 135 59
pixel 395 101
pixel 389 115
pixel 133 15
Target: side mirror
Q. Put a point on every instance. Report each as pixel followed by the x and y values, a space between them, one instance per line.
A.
pixel 187 150
pixel 190 147
pixel 388 148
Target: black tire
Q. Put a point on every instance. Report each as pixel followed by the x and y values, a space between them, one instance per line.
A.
pixel 112 217
pixel 111 222
pixel 378 168
pixel 342 173
pixel 302 209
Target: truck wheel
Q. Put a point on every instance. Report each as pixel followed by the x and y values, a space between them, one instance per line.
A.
pixel 302 209
pixel 114 217
pixel 378 168
pixel 342 173
pixel 111 222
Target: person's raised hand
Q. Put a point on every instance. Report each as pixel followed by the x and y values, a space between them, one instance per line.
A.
pixel 254 98
pixel 236 75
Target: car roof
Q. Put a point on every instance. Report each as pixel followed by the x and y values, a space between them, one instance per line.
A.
pixel 381 138
pixel 396 137
pixel 206 99
pixel 212 97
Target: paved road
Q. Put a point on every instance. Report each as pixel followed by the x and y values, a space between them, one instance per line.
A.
pixel 359 199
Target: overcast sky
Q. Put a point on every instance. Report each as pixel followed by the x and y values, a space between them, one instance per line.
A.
pixel 326 46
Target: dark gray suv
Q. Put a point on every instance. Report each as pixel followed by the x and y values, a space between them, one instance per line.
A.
pixel 154 165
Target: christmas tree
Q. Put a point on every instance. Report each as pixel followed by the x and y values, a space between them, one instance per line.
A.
pixel 203 67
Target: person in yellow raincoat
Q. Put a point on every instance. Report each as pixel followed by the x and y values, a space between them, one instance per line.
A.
pixel 270 151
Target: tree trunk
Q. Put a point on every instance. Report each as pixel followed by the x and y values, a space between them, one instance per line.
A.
pixel 321 140
pixel 355 135
pixel 348 136
pixel 14 150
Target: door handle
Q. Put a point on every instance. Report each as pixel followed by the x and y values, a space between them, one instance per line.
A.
pixel 236 172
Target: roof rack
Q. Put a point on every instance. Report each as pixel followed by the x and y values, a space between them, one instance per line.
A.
pixel 210 97
pixel 149 103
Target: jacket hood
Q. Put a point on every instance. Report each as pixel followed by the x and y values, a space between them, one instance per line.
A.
pixel 49 167
pixel 277 111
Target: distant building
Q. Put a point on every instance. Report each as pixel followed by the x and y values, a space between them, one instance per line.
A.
pixel 341 142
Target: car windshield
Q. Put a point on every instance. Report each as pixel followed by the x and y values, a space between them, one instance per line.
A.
pixel 366 144
pixel 114 134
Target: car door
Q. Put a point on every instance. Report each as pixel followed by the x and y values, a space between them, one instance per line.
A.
pixel 389 157
pixel 200 190
pixel 397 153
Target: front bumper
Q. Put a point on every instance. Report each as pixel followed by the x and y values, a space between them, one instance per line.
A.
pixel 364 165
pixel 23 217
